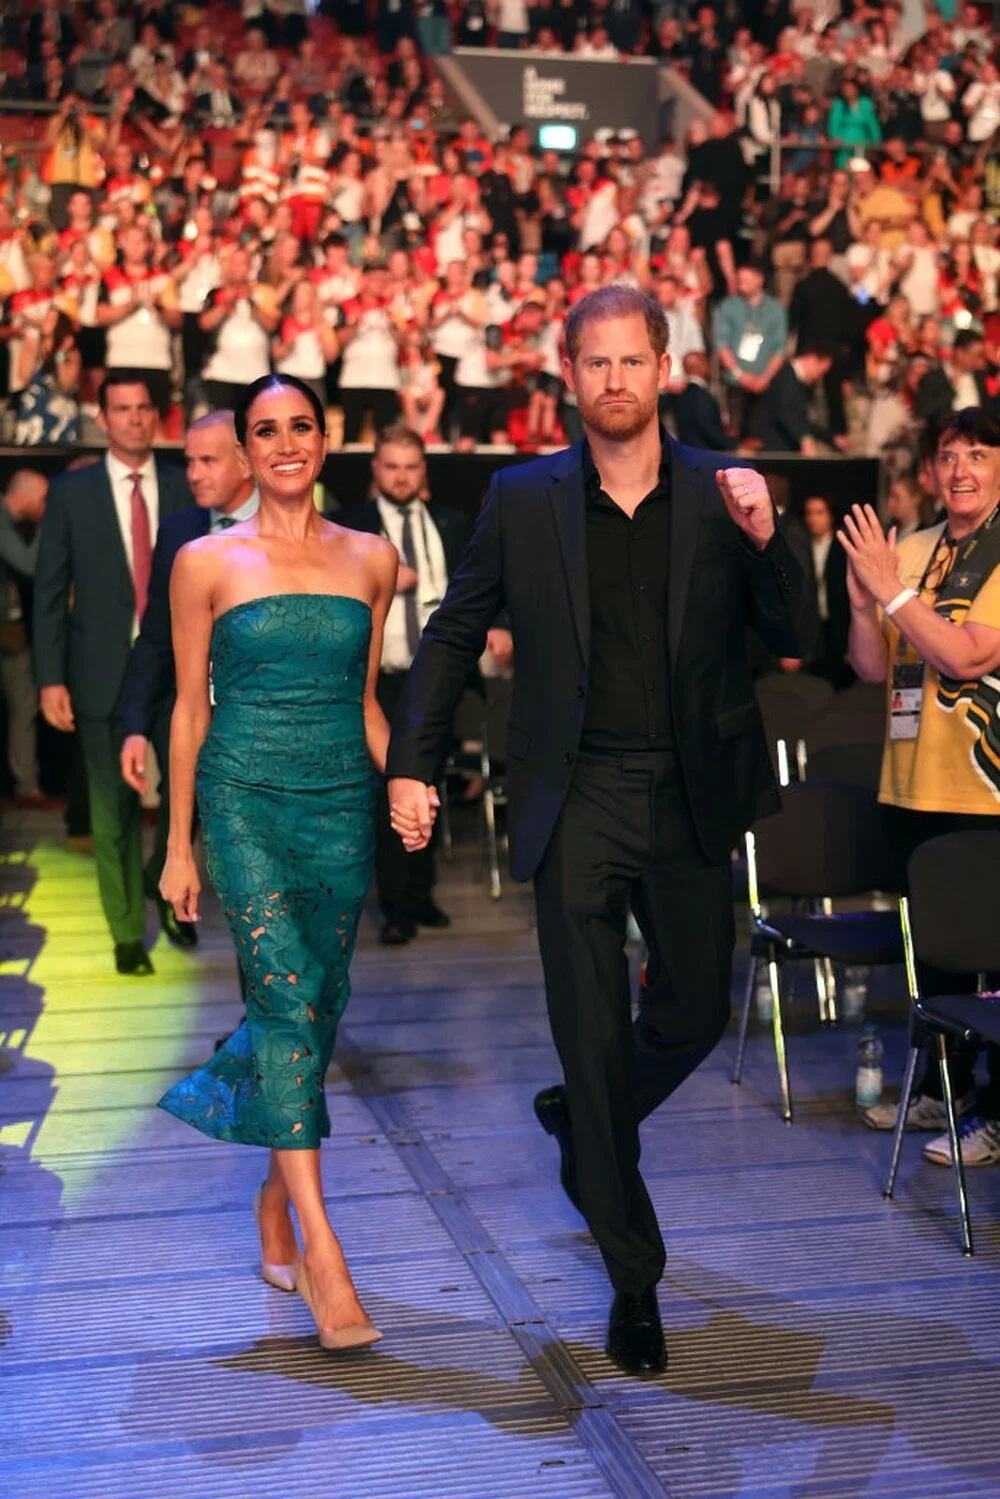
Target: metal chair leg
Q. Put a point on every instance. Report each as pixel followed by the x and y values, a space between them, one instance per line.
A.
pixel 779 1041
pixel 490 818
pixel 741 1046
pixel 822 993
pixel 904 1105
pixel 956 1149
pixel 831 992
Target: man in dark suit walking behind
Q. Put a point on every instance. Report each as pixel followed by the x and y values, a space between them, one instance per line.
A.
pixel 224 494
pixel 431 540
pixel 630 568
pixel 91 584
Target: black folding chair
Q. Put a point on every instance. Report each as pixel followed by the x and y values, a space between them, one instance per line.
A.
pixel 950 922
pixel 482 720
pixel 828 841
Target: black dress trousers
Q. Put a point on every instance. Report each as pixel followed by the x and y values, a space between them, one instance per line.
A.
pixel 403 881
pixel 625 837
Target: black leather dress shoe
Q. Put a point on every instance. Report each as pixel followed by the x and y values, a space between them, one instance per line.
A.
pixel 552 1114
pixel 180 933
pixel 635 1333
pixel 132 958
pixel 428 914
pixel 397 933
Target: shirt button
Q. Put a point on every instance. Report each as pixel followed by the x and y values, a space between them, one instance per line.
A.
pixel 647 637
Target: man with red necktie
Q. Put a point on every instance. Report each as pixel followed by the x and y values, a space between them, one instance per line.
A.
pixel 91 584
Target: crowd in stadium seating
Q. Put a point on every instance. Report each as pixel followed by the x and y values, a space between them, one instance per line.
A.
pixel 211 192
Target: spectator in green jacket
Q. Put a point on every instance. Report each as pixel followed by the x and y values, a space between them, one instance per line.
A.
pixel 852 120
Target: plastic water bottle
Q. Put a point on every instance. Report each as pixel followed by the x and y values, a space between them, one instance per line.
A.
pixel 868 1088
pixel 855 994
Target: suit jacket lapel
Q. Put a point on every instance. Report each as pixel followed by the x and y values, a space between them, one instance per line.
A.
pixel 685 519
pixel 568 502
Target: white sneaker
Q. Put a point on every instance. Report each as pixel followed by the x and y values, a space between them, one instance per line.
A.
pixel 923 1113
pixel 979 1140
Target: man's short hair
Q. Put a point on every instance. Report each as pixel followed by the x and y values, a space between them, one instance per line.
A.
pixel 224 417
pixel 609 302
pixel 972 425
pixel 121 376
pixel 967 338
pixel 398 434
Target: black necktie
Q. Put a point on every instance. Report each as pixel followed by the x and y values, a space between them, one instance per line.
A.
pixel 410 597
pixel 225 521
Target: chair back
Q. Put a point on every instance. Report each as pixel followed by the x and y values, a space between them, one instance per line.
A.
pixel 953 901
pixel 828 840
pixel 857 764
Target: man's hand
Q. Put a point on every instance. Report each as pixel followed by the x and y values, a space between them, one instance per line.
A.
pixel 748 502
pixel 406 579
pixel 57 708
pixel 413 807
pixel 133 763
pixel 790 664
pixel 500 644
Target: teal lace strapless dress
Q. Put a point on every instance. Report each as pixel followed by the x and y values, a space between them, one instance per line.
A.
pixel 285 792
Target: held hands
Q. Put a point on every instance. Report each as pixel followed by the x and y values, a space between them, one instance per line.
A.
pixel 873 570
pixel 748 502
pixel 413 807
pixel 180 885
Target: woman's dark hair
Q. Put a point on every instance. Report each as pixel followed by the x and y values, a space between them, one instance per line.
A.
pixel 274 382
pixel 63 337
pixel 972 425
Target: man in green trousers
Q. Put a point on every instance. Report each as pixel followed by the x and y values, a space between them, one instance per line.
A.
pixel 91 582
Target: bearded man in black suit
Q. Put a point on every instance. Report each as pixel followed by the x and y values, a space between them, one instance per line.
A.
pixel 630 569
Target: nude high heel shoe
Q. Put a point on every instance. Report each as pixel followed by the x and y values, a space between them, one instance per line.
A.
pixel 358 1335
pixel 282 1277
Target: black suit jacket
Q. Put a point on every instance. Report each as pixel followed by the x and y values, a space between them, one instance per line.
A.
pixel 699 421
pixel 782 419
pixel 84 601
pixel 453 527
pixel 821 311
pixel 150 682
pixel 528 554
pixel 936 395
pixel 838 603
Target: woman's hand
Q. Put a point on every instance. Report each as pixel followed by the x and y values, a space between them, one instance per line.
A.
pixel 180 885
pixel 870 554
pixel 860 597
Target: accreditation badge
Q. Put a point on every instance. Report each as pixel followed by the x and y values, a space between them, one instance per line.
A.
pixel 906 700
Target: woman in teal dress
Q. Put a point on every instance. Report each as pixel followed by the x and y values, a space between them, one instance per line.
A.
pixel 290 610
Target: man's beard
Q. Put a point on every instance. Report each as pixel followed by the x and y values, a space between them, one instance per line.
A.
pixel 619 422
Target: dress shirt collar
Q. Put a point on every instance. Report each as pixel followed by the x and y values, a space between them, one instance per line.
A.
pixel 592 479
pixel 118 472
pixel 246 511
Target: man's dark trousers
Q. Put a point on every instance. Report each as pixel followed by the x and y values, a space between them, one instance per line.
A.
pixel 403 880
pixel 116 823
pixel 625 838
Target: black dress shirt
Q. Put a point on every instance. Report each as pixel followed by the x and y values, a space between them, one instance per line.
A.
pixel 628 705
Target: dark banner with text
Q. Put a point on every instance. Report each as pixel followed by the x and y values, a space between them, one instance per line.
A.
pixel 558 96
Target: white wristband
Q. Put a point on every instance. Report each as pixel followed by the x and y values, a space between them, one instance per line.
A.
pixel 900 599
